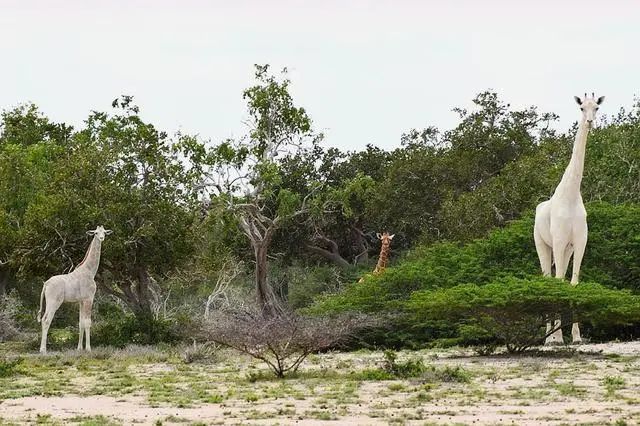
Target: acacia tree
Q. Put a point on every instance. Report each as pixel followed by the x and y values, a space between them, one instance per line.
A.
pixel 247 174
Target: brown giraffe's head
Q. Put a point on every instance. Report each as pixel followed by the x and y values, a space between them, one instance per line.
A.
pixel 385 238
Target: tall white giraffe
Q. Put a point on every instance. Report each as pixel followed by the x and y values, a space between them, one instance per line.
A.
pixel 76 286
pixel 560 228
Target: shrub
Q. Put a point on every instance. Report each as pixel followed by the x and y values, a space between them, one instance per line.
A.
pixel 115 327
pixel 414 368
pixel 411 368
pixel 200 352
pixel 8 367
pixel 9 307
pixel 514 311
pixel 610 259
pixel 306 283
pixel 284 340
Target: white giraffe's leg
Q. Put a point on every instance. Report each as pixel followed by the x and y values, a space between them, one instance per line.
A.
pixel 579 245
pixel 85 307
pixel 561 261
pixel 561 254
pixel 52 307
pixel 80 325
pixel 545 256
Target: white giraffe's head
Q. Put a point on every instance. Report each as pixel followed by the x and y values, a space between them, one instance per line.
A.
pixel 589 106
pixel 100 232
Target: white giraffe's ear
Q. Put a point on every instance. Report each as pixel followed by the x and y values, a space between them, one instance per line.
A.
pixel 91 232
pixel 391 236
pixel 378 236
pixel 108 232
pixel 578 101
pixel 600 100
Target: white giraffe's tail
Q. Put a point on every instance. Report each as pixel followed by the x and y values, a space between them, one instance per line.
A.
pixel 41 297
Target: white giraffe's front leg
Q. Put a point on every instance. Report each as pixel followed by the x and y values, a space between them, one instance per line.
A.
pixel 556 337
pixel 80 325
pixel 86 322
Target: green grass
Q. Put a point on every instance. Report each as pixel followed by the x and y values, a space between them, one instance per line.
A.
pixel 331 386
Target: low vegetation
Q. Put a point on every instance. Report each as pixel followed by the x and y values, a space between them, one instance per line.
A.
pixel 366 387
pixel 282 340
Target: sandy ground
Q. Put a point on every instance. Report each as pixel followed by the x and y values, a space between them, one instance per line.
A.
pixel 523 390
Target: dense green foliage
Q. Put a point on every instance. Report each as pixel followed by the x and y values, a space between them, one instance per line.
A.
pixel 300 218
pixel 507 252
pixel 514 312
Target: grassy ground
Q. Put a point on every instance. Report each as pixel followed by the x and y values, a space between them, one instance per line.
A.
pixel 598 384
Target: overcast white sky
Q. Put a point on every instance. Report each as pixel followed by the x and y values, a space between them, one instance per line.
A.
pixel 367 71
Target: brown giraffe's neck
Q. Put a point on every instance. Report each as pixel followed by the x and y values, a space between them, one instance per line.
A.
pixel 382 260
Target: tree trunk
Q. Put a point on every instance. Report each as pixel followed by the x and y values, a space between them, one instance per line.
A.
pixel 4 280
pixel 331 256
pixel 264 293
pixel 143 291
pixel 136 297
pixel 362 246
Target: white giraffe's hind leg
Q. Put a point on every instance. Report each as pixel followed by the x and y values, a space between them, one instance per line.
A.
pixel 52 307
pixel 545 256
pixel 80 325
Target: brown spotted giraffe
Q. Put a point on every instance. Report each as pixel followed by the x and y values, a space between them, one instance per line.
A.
pixel 385 249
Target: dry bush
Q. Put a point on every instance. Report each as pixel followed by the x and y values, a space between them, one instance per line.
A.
pixel 9 306
pixel 200 352
pixel 283 340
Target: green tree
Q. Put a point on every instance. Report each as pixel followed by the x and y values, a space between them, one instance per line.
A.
pixel 118 171
pixel 30 144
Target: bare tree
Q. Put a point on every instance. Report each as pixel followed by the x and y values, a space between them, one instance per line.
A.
pixel 219 296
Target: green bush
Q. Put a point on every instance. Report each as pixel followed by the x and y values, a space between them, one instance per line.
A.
pixel 613 250
pixel 306 283
pixel 514 311
pixel 9 308
pixel 8 367
pixel 411 368
pixel 115 327
pixel 610 259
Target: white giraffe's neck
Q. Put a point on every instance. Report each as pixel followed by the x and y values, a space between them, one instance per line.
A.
pixel 91 259
pixel 572 177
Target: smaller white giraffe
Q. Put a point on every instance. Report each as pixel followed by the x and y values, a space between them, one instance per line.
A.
pixel 76 286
